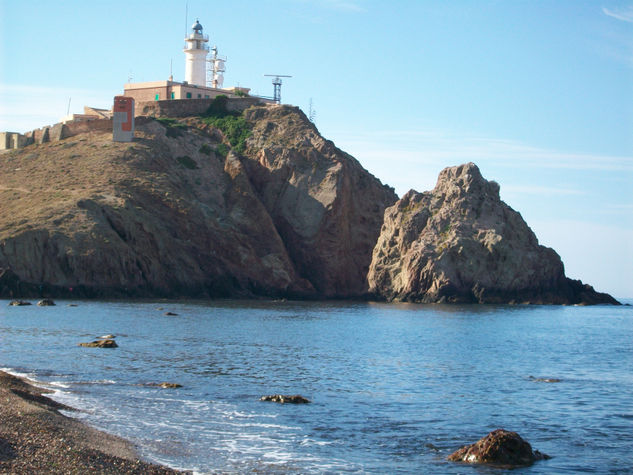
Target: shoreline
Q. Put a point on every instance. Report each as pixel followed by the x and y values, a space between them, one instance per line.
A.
pixel 36 438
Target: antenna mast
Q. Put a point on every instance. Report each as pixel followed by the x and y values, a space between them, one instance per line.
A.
pixel 277 86
pixel 216 68
pixel 186 18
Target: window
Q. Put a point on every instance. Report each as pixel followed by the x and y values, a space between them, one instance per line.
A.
pixel 173 96
pixel 206 96
pixel 199 96
pixel 188 95
pixel 157 97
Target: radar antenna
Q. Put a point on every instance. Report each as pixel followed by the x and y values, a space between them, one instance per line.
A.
pixel 277 86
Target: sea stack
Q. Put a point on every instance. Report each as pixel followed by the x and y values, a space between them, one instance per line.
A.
pixel 461 244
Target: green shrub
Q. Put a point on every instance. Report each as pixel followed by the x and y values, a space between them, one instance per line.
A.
pixel 222 149
pixel 232 124
pixel 187 162
pixel 174 128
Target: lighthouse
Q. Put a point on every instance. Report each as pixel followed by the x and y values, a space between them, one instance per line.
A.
pixel 196 50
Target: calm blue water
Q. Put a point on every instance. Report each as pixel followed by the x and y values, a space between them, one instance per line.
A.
pixel 395 388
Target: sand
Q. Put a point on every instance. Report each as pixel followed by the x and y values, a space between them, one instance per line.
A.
pixel 36 438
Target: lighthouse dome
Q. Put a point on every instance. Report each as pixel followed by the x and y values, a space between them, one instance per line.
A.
pixel 197 27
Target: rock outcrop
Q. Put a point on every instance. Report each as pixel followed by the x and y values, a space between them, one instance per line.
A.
pixel 182 212
pixel 284 399
pixel 326 207
pixel 501 448
pixel 100 344
pixel 461 243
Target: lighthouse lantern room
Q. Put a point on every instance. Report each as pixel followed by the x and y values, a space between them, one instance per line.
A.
pixel 196 50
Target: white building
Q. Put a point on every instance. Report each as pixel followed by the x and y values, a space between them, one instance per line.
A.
pixel 196 50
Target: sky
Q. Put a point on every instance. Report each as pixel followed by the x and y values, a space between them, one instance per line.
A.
pixel 539 94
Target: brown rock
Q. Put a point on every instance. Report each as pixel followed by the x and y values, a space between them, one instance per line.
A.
pixel 19 303
pixel 326 207
pixel 461 243
pixel 291 216
pixel 100 344
pixel 165 385
pixel 283 399
pixel 500 447
pixel 46 303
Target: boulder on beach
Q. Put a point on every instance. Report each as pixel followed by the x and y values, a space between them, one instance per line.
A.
pixel 283 399
pixel 100 344
pixel 500 447
pixel 19 303
pixel 46 303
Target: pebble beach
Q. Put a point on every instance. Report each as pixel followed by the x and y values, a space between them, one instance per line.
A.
pixel 36 438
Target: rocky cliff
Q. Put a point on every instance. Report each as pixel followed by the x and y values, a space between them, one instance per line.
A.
pixel 185 210
pixel 461 243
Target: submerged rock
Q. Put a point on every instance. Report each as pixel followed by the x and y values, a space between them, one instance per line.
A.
pixel 500 447
pixel 166 385
pixel 461 243
pixel 171 314
pixel 46 303
pixel 100 344
pixel 283 399
pixel 545 380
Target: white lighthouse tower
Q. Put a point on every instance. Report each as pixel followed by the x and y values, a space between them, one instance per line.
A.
pixel 196 49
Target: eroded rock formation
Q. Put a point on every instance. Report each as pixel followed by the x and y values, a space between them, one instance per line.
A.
pixel 461 243
pixel 179 212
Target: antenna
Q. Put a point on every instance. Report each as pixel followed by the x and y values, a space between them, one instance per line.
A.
pixel 277 85
pixel 311 112
pixel 216 68
pixel 186 18
pixel 68 110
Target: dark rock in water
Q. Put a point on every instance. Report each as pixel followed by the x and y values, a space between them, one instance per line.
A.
pixel 500 447
pixel 165 385
pixel 46 303
pixel 171 314
pixel 100 344
pixel 19 303
pixel 545 380
pixel 72 305
pixel 107 337
pixel 461 244
pixel 283 399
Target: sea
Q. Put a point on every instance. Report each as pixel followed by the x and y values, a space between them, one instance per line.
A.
pixel 394 388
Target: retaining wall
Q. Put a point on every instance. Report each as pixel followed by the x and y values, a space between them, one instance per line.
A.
pixel 189 107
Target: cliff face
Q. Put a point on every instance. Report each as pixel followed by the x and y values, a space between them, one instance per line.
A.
pixel 461 243
pixel 177 212
pixel 327 209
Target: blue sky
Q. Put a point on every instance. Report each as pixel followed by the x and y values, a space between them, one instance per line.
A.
pixel 538 93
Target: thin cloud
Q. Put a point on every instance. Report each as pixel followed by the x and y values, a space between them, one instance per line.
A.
pixel 340 5
pixel 541 190
pixel 435 146
pixel 622 14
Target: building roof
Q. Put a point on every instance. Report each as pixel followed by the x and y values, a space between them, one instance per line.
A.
pixel 197 27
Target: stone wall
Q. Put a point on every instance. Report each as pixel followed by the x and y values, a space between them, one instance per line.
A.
pixel 189 107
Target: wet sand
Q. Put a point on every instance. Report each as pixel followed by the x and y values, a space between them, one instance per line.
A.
pixel 36 438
